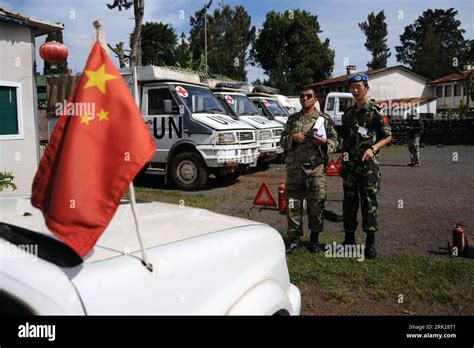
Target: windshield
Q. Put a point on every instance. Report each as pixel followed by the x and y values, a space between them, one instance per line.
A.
pixel 273 107
pixel 199 100
pixel 240 104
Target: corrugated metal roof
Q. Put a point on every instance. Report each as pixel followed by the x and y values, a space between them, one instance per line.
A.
pixel 412 100
pixel 40 27
pixel 452 77
pixel 343 78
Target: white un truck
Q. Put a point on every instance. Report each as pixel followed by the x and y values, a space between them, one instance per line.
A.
pixel 194 135
pixel 237 104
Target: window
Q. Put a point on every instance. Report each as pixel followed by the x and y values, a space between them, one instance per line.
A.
pixel 447 91
pixel 10 110
pixel 345 103
pixel 457 90
pixel 439 91
pixel 330 104
pixel 156 99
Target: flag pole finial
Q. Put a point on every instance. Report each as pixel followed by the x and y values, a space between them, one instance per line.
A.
pixel 100 35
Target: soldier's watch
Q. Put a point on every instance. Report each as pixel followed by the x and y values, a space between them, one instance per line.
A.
pixel 374 151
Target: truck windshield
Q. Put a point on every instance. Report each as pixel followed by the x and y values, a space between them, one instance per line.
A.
pixel 240 104
pixel 273 107
pixel 199 100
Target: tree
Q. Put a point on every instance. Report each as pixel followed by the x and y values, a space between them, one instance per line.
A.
pixel 434 44
pixel 375 29
pixel 229 36
pixel 158 43
pixel 183 55
pixel 138 11
pixel 61 67
pixel 290 51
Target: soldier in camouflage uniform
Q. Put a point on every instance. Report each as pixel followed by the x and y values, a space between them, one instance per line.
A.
pixel 364 132
pixel 306 153
pixel 415 127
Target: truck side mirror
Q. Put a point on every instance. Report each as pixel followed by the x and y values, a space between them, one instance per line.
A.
pixel 260 111
pixel 167 106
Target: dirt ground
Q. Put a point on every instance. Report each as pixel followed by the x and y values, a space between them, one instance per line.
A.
pixel 417 210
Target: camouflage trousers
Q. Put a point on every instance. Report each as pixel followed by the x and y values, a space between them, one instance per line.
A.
pixel 306 184
pixel 414 148
pixel 361 182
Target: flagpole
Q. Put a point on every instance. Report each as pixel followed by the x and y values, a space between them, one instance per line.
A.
pixel 133 204
pixel 101 38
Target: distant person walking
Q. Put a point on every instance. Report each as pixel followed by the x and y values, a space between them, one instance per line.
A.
pixel 415 128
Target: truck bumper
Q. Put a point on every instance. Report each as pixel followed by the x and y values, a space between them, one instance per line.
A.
pixel 229 155
pixel 269 149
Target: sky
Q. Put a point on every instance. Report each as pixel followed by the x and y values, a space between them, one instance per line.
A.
pixel 338 20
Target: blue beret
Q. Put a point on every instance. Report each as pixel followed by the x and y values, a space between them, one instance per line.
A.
pixel 357 77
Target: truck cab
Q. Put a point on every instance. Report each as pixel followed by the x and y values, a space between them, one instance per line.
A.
pixel 269 106
pixel 237 104
pixel 335 104
pixel 194 135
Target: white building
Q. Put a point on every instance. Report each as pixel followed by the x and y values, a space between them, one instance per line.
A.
pixel 401 90
pixel 449 90
pixel 19 144
pixel 386 83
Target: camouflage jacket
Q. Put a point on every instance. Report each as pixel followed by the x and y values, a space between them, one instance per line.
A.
pixel 307 152
pixel 362 129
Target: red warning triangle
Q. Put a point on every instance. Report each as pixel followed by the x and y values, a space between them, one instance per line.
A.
pixel 333 169
pixel 339 162
pixel 264 197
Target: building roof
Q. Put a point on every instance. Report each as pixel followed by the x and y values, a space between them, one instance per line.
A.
pixel 457 76
pixel 412 100
pixel 371 72
pixel 39 27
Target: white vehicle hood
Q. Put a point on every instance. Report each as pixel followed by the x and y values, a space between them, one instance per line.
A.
pixel 160 223
pixel 221 122
pixel 260 122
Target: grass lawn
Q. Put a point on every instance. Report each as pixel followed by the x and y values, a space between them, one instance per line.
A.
pixel 418 278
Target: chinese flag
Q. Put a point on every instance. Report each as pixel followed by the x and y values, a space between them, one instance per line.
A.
pixel 92 156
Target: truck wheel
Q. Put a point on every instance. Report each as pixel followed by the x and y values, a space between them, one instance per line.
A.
pixel 188 171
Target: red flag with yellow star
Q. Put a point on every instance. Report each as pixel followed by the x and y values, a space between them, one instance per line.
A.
pixel 92 156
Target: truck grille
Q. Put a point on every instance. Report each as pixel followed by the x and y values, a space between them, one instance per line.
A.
pixel 246 136
pixel 277 132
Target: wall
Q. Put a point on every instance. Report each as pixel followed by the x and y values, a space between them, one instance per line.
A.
pixel 398 83
pixel 20 155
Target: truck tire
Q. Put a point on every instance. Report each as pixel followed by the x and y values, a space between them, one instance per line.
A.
pixel 189 172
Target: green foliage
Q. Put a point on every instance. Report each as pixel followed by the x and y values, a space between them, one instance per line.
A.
pixel 183 54
pixel 229 34
pixel 6 181
pixel 61 67
pixel 158 42
pixel 375 29
pixel 290 51
pixel 434 45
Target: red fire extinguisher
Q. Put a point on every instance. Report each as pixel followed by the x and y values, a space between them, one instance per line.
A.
pixel 458 245
pixel 281 199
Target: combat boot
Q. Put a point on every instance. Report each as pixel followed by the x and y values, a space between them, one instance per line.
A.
pixel 292 245
pixel 349 238
pixel 370 252
pixel 314 245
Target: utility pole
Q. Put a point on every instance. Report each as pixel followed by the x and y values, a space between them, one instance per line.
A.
pixel 205 33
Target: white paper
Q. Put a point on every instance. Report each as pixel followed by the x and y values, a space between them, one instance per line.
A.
pixel 319 126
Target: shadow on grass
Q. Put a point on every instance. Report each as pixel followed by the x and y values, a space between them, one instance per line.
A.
pixel 158 182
